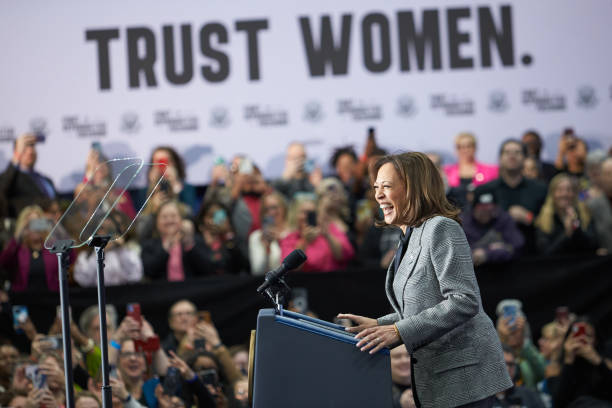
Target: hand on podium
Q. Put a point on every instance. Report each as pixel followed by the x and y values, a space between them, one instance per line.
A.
pixel 373 337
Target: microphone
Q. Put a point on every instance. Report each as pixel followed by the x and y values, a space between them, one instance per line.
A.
pixel 291 261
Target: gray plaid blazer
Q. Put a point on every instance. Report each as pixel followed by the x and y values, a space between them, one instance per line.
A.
pixel 456 354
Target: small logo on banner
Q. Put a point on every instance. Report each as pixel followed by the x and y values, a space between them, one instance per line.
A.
pixel 266 116
pixel 313 112
pixel 358 110
pixel 543 101
pixel 7 134
pixel 406 106
pixel 219 117
pixel 453 105
pixel 175 121
pixel 83 126
pixel 587 97
pixel 130 122
pixel 39 125
pixel 498 102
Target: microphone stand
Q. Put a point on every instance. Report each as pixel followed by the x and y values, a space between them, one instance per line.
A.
pixel 62 249
pixel 277 292
pixel 98 242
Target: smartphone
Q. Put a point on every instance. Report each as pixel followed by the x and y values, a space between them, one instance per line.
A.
pixel 219 216
pixel 172 381
pixel 39 380
pixel 309 166
pixel 97 146
pixel 245 167
pixel 578 329
pixel 510 311
pixel 39 225
pixel 133 310
pixel 51 343
pixel 199 344
pixel 164 186
pixel 20 316
pixel 204 315
pixel 113 372
pixel 299 299
pixel 311 218
pixel 209 377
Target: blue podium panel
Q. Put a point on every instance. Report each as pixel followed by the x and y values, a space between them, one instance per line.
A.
pixel 305 362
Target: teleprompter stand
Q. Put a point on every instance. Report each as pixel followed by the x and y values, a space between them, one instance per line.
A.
pixel 62 250
pixel 98 242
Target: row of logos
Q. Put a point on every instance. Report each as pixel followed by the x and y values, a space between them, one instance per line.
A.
pixel 406 107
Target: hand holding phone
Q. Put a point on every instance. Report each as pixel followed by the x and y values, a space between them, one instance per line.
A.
pixel 510 313
pixel 20 316
pixel 133 310
pixel 311 218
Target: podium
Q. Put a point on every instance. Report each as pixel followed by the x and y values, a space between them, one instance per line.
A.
pixel 300 361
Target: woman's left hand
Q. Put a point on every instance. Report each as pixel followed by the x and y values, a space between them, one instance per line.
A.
pixel 375 338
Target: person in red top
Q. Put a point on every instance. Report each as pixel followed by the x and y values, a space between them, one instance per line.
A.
pixel 325 244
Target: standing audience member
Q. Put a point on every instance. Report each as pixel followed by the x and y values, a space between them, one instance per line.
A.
pixel 467 170
pixel 325 244
pixel 533 142
pixel 297 174
pixel 29 264
pixel 586 376
pixel 564 223
pixel 122 262
pixel 264 248
pixel 20 184
pixel 175 253
pixel 514 333
pixel 594 161
pixel 571 155
pixel 181 318
pixel 522 198
pixel 601 208
pixel 491 232
pixel 174 178
pixel 218 242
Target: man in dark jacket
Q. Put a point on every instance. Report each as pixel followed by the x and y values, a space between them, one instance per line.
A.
pixel 20 184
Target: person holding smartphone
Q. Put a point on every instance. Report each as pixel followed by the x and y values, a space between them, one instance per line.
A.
pixel 264 248
pixel 31 266
pixel 586 375
pixel 327 247
pixel 456 356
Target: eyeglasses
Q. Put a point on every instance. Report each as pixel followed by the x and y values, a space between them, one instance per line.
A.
pixel 130 354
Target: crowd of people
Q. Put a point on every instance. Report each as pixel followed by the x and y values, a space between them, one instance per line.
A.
pixel 243 223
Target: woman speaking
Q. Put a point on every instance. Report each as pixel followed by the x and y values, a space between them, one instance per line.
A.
pixel 456 355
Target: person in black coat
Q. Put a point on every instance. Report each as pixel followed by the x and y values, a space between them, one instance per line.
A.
pixel 175 252
pixel 20 184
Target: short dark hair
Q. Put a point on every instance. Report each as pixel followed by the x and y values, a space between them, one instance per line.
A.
pixel 518 142
pixel 340 151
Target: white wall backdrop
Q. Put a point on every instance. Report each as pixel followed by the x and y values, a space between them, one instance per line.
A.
pixel 257 78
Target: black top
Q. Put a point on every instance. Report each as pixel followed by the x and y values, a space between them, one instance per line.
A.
pixel 402 246
pixel 37 277
pixel 528 193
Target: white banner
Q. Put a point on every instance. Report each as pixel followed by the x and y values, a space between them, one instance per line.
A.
pixel 217 78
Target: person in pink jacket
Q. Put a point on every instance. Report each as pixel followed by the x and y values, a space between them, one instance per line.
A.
pixel 467 170
pixel 325 243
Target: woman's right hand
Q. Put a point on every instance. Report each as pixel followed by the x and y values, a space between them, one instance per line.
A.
pixel 361 322
pixel 310 233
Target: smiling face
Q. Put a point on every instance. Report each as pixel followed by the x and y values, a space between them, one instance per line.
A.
pixel 564 195
pixel 390 193
pixel 131 363
pixel 168 220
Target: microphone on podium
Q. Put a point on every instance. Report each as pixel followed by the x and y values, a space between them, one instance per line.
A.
pixel 291 261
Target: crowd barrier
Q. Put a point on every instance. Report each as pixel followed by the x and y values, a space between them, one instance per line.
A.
pixel 583 283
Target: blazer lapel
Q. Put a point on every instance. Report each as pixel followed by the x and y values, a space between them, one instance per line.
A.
pixel 389 286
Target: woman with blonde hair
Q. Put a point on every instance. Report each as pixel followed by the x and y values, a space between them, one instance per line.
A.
pixel 467 170
pixel 30 265
pixel 564 223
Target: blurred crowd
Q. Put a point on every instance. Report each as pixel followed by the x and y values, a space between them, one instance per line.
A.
pixel 243 223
